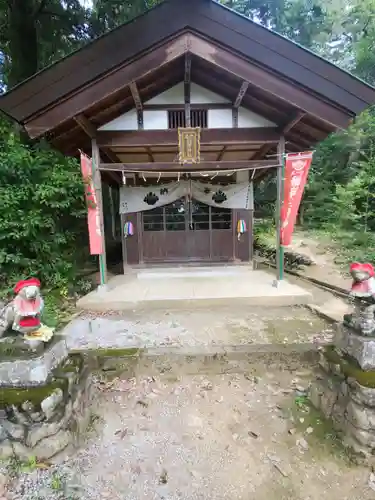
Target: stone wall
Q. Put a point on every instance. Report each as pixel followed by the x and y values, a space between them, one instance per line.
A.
pixel 42 420
pixel 345 394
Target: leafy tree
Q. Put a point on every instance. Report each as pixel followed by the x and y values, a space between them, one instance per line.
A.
pixel 42 212
pixel 34 33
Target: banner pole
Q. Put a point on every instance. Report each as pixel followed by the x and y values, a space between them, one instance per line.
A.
pixel 279 203
pixel 98 188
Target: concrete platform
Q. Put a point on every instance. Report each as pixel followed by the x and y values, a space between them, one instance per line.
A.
pixel 193 287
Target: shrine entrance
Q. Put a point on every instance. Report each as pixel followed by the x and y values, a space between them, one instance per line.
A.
pixel 187 230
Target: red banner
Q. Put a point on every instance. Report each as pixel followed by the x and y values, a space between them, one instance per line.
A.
pixel 93 214
pixel 297 167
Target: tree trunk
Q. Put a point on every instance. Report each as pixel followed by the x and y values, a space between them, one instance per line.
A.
pixel 23 42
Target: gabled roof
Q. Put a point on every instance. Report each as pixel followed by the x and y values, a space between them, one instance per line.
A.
pixel 226 48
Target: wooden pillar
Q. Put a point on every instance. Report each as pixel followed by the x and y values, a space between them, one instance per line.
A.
pixel 187 90
pixel 279 202
pixel 99 199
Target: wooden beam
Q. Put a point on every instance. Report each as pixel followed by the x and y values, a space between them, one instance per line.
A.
pixel 235 117
pixel 177 107
pixel 221 154
pixel 107 85
pixel 85 125
pixel 241 93
pixel 288 126
pixel 91 131
pixel 283 130
pixel 138 104
pixel 125 104
pixel 271 83
pixel 206 166
pixel 187 89
pixel 149 154
pixel 221 137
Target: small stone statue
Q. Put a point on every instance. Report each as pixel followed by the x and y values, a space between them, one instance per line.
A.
pixel 23 313
pixel 363 294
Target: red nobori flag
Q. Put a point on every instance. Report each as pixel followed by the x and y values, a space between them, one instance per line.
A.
pixel 93 215
pixel 297 167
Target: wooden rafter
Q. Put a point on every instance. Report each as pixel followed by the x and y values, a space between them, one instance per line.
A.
pixel 221 154
pixel 268 82
pixel 206 166
pixel 241 93
pixel 149 154
pixel 91 131
pixel 106 86
pixel 138 104
pixel 287 127
pixel 187 89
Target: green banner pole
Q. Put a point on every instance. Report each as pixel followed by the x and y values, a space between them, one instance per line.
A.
pixel 280 198
pixel 95 160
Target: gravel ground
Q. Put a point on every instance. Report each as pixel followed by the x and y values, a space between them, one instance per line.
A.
pixel 225 326
pixel 203 437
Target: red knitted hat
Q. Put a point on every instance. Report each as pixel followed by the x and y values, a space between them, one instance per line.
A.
pixel 367 268
pixel 24 283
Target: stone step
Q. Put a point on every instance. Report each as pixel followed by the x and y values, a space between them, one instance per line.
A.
pixel 178 361
pixel 193 272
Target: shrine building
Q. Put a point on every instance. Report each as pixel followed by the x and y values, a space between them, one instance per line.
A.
pixel 183 110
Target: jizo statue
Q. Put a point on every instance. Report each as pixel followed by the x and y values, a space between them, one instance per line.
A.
pixel 363 293
pixel 23 313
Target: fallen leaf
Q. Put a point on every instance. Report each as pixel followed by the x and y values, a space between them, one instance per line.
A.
pixel 121 433
pixel 163 479
pixel 253 434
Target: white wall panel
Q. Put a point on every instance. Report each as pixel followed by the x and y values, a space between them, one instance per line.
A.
pixel 219 118
pixel 155 120
pixel 248 119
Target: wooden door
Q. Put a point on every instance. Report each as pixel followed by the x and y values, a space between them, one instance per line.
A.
pixel 198 231
pixel 187 231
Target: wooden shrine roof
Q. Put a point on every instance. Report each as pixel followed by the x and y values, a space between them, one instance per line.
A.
pixel 306 96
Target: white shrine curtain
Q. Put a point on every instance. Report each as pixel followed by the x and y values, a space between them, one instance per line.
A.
pixel 232 196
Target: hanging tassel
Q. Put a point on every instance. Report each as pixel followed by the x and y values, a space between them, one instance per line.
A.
pixel 241 228
pixel 158 178
pixel 123 178
pixel 143 177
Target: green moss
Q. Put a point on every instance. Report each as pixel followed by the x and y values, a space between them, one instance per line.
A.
pixel 16 396
pixel 350 368
pixel 321 435
pixel 114 352
pixel 15 348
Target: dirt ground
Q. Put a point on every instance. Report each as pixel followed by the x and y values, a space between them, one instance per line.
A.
pixel 201 437
pixel 321 253
pixel 248 436
pixel 225 326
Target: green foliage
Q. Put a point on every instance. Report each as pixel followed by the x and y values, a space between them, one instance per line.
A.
pixel 43 213
pixel 340 196
pixel 41 194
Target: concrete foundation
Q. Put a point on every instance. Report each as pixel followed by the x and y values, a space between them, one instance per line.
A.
pixel 193 287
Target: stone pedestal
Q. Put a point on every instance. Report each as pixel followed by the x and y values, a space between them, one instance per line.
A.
pixel 44 402
pixel 345 390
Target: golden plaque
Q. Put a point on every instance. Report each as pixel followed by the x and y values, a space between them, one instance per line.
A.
pixel 189 143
